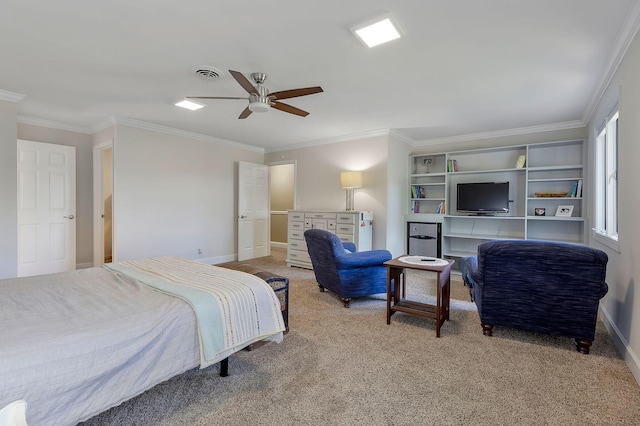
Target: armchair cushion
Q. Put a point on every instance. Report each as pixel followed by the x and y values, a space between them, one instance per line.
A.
pixel 362 259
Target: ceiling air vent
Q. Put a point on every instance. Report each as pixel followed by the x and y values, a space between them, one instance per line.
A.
pixel 207 73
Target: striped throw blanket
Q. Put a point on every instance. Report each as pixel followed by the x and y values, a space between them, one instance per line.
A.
pixel 233 309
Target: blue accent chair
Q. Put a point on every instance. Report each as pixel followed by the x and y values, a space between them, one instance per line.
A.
pixel 342 270
pixel 541 286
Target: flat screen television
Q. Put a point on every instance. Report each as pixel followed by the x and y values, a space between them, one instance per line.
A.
pixel 483 197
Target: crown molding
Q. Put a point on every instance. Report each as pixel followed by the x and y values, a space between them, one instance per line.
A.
pixel 131 122
pixel 11 96
pixel 22 119
pixel 502 133
pixel 624 39
pixel 331 140
pixel 402 137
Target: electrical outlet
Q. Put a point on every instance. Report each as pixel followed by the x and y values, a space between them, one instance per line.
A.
pixel 199 251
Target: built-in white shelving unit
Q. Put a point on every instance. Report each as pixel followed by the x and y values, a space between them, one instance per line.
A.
pixel 550 169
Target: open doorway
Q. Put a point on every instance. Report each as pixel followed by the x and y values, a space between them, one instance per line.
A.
pixel 103 203
pixel 282 178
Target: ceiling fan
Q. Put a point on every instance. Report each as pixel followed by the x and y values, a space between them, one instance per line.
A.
pixel 260 100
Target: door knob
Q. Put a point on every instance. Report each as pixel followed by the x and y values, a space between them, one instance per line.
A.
pixel 243 217
pixel 69 217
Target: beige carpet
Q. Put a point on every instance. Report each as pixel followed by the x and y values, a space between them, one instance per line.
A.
pixel 342 366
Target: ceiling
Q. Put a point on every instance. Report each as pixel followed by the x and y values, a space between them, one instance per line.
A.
pixel 464 67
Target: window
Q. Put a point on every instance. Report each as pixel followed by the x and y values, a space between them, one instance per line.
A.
pixel 606 195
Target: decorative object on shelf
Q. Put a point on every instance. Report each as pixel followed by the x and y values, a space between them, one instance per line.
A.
pixel 427 162
pixel 539 211
pixel 521 161
pixel 551 194
pixel 566 211
pixel 350 181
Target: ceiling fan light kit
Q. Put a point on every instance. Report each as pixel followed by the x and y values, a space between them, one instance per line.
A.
pixel 260 100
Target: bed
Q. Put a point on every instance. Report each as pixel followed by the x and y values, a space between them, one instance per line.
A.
pixel 76 343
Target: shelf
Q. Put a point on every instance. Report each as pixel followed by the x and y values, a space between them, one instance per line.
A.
pixel 437 174
pixel 467 172
pixel 484 237
pixel 558 218
pixel 556 179
pixel 547 168
pixel 554 198
pixel 453 216
pixel 427 199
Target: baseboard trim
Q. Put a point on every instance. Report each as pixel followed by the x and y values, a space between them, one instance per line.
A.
pixel 278 244
pixel 631 359
pixel 84 265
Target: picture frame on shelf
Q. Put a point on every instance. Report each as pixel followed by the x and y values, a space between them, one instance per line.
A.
pixel 564 211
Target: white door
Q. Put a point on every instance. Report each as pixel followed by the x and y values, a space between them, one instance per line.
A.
pixel 46 208
pixel 253 210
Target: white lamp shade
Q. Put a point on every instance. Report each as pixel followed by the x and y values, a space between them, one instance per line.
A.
pixel 351 180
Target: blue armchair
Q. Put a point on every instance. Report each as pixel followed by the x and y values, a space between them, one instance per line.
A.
pixel 346 273
pixel 541 286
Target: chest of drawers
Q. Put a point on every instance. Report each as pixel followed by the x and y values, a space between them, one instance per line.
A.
pixel 350 226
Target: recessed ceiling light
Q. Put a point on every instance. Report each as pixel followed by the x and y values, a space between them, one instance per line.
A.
pixel 377 31
pixel 188 104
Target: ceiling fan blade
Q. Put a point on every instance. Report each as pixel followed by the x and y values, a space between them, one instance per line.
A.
pixel 294 93
pixel 212 97
pixel 288 108
pixel 245 113
pixel 242 80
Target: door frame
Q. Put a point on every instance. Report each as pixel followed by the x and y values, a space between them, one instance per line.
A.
pixel 98 204
pixel 295 198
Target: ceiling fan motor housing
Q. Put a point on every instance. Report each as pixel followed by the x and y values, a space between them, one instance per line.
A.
pixel 260 102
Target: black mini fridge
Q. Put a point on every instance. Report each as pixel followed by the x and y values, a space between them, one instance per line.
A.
pixel 423 239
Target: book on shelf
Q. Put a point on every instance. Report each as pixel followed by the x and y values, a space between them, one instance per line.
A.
pixel 417 191
pixel 574 190
pixel 521 161
pixel 452 165
pixel 415 206
pixel 441 208
pixel 579 189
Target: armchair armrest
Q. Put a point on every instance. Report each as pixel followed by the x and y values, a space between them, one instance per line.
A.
pixel 362 259
pixel 468 268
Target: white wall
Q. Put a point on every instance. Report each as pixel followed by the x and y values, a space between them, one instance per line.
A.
pixel 318 178
pixel 8 190
pixel 174 195
pixel 397 196
pixel 621 305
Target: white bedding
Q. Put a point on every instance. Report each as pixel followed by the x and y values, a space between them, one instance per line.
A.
pixel 77 343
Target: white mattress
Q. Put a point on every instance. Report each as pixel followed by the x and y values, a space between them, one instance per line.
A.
pixel 77 343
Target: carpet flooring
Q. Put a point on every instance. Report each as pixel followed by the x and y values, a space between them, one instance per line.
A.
pixel 341 366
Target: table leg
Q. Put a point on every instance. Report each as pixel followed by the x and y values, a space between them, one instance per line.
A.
pixel 389 279
pixel 438 306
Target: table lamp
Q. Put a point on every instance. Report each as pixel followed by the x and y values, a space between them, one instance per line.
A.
pixel 350 181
